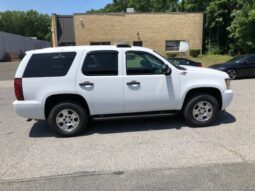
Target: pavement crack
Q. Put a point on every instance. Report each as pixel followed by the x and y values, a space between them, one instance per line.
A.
pixel 231 151
pixel 224 147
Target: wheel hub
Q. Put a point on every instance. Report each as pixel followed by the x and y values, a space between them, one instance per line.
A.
pixel 203 111
pixel 231 73
pixel 67 120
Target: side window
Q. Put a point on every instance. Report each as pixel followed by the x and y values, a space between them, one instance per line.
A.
pixel 184 62
pixel 143 63
pixel 49 65
pixel 101 63
pixel 175 61
pixel 251 60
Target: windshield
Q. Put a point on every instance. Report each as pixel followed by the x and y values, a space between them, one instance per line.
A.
pixel 235 59
pixel 169 61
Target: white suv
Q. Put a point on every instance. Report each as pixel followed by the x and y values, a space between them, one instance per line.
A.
pixel 70 85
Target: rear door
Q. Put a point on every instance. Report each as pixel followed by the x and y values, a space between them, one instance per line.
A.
pixel 99 82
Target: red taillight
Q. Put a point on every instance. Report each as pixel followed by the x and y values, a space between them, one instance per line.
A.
pixel 18 89
pixel 200 65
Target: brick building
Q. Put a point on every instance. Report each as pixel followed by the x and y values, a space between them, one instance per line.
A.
pixel 163 32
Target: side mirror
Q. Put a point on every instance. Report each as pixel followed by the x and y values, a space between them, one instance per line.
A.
pixel 167 71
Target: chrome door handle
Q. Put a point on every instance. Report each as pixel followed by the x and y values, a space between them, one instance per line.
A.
pixel 133 83
pixel 86 84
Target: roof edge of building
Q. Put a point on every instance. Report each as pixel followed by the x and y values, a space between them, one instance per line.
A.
pixel 141 13
pixel 58 15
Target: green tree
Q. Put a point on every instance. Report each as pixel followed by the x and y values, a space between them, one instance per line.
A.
pixel 30 23
pixel 194 5
pixel 242 29
pixel 140 6
pixel 217 19
pixel 165 5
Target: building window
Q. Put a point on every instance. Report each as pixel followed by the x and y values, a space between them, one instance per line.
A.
pixel 173 45
pixel 138 43
pixel 100 43
pixel 101 63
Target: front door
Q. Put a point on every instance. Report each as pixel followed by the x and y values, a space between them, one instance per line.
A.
pixel 146 87
pixel 249 66
pixel 98 81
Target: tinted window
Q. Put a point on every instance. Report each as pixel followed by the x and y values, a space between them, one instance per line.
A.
pixel 251 60
pixel 141 63
pixel 49 65
pixel 174 61
pixel 101 63
pixel 236 59
pixel 185 62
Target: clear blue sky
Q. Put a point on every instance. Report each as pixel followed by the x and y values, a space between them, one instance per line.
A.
pixel 53 6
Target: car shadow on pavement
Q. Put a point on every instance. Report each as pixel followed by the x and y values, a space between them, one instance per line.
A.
pixel 41 128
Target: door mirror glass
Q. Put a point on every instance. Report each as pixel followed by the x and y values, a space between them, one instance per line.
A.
pixel 167 70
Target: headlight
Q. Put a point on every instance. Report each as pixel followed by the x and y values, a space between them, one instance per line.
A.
pixel 227 81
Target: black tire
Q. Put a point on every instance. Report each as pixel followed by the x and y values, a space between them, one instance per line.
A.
pixel 72 108
pixel 193 102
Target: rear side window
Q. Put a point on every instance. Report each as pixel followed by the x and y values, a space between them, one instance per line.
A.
pixel 49 65
pixel 101 63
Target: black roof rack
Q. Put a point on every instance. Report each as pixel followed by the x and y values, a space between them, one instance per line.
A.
pixel 123 45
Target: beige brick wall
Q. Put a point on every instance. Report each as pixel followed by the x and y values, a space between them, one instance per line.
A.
pixel 154 28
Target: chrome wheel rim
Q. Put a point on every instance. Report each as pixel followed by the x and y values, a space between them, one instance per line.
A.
pixel 67 120
pixel 203 111
pixel 232 74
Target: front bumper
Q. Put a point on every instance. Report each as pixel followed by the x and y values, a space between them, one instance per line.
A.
pixel 227 98
pixel 29 109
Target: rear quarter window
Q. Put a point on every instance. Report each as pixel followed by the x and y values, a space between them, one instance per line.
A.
pixel 49 64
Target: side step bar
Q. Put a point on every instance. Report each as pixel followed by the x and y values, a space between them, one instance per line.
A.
pixel 135 115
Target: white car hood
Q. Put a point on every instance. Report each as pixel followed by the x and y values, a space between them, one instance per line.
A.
pixel 204 70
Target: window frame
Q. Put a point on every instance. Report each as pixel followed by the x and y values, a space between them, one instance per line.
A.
pixel 100 51
pixel 175 50
pixel 139 51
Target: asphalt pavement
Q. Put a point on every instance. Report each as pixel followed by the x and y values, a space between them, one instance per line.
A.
pixel 7 70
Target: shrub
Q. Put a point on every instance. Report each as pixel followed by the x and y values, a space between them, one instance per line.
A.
pixel 194 52
pixel 171 54
pixel 9 57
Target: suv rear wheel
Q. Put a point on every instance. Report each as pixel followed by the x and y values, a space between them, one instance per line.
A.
pixel 68 119
pixel 201 110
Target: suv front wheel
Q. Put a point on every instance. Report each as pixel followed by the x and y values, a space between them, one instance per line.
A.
pixel 68 119
pixel 201 110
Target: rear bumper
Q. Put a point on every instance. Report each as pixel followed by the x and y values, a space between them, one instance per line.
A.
pixel 29 109
pixel 227 98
